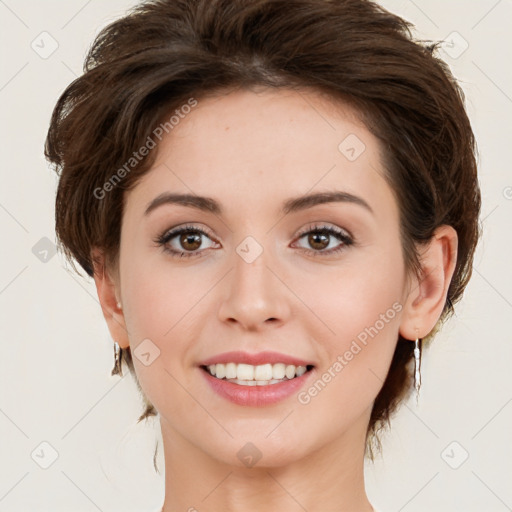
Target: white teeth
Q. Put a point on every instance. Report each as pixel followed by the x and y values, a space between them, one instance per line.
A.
pixel 261 375
pixel 278 371
pixel 220 371
pixel 263 372
pixel 243 372
pixel 301 370
pixel 231 371
pixel 290 371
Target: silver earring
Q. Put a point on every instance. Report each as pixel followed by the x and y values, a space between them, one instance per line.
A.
pixel 117 360
pixel 417 367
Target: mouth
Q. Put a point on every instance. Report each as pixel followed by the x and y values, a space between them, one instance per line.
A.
pixel 256 379
pixel 251 375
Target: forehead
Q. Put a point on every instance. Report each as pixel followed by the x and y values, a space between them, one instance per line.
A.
pixel 252 147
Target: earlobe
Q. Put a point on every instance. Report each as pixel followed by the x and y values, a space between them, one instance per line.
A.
pixel 108 295
pixel 427 295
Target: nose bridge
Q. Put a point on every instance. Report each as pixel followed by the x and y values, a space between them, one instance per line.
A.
pixel 254 295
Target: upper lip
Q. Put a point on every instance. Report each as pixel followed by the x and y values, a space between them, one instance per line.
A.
pixel 260 358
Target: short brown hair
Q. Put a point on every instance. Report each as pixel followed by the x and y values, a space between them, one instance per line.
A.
pixel 163 52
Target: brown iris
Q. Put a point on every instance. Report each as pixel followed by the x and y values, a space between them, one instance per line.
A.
pixel 192 238
pixel 313 240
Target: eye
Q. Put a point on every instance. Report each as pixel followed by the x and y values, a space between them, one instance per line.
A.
pixel 318 237
pixel 189 240
pixel 188 237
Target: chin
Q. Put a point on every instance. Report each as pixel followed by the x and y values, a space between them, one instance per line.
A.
pixel 259 452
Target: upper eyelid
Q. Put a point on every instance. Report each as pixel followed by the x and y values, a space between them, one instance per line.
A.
pixel 318 226
pixel 187 227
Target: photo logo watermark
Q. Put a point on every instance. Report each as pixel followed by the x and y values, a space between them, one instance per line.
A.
pixel 455 455
pixel 143 151
pixel 304 397
pixel 249 454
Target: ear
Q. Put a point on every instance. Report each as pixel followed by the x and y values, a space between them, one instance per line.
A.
pixel 427 295
pixel 109 296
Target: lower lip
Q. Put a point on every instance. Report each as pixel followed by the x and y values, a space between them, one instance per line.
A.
pixel 256 395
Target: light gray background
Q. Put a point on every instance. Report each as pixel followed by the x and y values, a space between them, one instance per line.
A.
pixel 56 352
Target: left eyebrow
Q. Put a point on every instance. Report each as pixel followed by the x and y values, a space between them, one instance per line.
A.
pixel 292 205
pixel 310 200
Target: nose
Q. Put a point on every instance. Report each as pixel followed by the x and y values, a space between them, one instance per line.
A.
pixel 254 297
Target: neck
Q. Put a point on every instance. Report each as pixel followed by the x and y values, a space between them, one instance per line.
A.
pixel 331 478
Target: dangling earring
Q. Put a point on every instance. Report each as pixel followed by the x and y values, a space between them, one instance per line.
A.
pixel 417 367
pixel 117 360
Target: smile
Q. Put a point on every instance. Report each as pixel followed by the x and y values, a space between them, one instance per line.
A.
pixel 256 388
pixel 260 375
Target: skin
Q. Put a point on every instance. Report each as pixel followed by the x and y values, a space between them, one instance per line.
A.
pixel 251 150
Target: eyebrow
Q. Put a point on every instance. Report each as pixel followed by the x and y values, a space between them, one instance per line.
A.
pixel 292 205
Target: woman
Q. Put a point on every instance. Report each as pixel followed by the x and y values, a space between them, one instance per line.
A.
pixel 278 202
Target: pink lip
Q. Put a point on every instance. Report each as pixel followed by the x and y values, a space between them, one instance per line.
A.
pixel 240 357
pixel 256 395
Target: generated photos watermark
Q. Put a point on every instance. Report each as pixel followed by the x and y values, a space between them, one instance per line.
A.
pixel 342 360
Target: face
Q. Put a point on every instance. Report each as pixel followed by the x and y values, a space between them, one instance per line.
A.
pixel 318 283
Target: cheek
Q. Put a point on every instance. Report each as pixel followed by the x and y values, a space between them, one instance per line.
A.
pixel 360 309
pixel 162 308
pixel 161 297
pixel 365 291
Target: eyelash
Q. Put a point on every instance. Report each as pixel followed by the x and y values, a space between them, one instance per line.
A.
pixel 163 239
